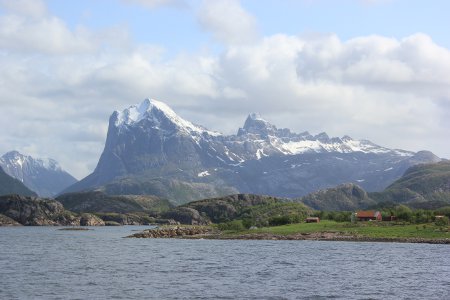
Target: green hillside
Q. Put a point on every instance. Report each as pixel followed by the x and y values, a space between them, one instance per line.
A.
pixel 10 185
pixel 422 186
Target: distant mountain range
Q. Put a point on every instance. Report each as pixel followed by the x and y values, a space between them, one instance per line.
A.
pixel 151 150
pixel 43 176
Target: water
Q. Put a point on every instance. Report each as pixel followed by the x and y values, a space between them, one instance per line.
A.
pixel 46 263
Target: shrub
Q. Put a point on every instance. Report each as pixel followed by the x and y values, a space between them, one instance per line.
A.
pixel 279 220
pixel 441 222
pixel 236 225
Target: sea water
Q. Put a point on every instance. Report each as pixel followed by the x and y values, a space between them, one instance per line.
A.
pixel 47 263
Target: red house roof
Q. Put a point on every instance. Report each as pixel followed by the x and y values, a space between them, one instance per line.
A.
pixel 366 214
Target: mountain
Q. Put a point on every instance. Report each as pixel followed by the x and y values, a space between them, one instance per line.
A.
pixel 10 185
pixel 149 143
pixel 43 176
pixel 422 186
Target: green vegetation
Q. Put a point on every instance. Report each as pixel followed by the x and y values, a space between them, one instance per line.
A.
pixel 274 214
pixel 250 210
pixel 366 229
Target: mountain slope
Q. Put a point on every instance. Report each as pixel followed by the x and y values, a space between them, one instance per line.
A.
pixel 424 186
pixel 345 197
pixel 98 202
pixel 44 176
pixel 149 142
pixel 10 185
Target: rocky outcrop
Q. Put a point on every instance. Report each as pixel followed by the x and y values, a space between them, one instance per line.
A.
pixel 186 215
pixel 172 232
pixel 91 220
pixel 32 211
pixel 7 221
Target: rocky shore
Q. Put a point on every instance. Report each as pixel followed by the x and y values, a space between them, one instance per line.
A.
pixel 174 232
pixel 209 233
pixel 326 236
pixel 18 210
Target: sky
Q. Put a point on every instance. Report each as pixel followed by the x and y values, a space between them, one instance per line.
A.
pixel 370 69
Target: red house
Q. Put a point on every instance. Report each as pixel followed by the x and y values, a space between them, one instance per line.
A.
pixel 368 215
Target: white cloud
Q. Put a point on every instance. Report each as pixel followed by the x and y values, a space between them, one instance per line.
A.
pixel 228 22
pixel 29 8
pixel 152 4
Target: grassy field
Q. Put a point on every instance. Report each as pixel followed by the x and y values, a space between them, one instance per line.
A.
pixel 366 229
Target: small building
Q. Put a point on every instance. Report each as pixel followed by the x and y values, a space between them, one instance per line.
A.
pixel 389 218
pixel 368 215
pixel 312 220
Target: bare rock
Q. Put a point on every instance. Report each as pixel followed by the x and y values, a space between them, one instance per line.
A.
pixel 91 220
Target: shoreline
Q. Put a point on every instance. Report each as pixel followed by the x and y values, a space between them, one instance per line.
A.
pixel 210 234
pixel 336 238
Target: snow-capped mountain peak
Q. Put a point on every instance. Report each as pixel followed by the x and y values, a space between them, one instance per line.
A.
pixel 42 175
pixel 18 160
pixel 157 112
pixel 255 124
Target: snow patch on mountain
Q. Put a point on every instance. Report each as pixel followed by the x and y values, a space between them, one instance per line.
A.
pixel 17 161
pixel 203 174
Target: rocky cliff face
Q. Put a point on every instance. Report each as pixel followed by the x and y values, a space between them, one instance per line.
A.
pixel 44 176
pixel 35 211
pixel 149 142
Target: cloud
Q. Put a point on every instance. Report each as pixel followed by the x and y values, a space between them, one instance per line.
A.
pixel 152 4
pixel 29 8
pixel 228 22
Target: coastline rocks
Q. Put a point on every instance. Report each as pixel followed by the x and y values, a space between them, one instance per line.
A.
pixel 91 220
pixel 32 211
pixel 172 232
pixel 7 221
